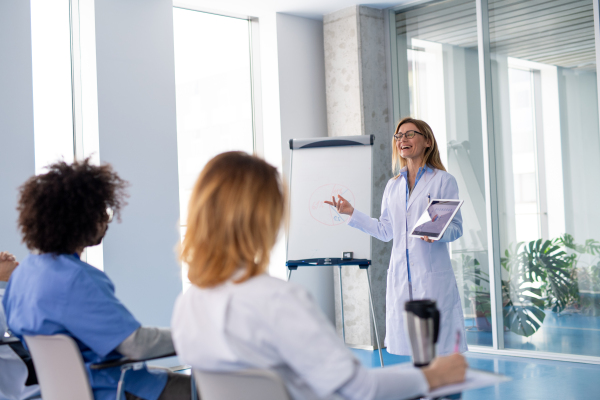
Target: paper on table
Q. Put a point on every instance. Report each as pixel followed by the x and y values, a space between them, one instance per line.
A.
pixel 474 379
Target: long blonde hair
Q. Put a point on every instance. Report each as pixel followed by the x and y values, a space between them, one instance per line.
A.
pixel 432 154
pixel 235 212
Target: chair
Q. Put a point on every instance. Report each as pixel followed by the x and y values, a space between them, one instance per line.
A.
pixel 252 384
pixel 61 371
pixel 59 367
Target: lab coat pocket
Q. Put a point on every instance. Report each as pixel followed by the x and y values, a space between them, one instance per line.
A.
pixel 439 257
pixel 442 288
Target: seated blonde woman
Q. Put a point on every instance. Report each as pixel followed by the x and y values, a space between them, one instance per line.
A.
pixel 236 317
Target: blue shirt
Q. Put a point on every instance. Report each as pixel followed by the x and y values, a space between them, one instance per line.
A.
pixel 50 294
pixel 404 173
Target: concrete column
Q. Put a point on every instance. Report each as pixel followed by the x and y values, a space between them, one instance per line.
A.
pixel 138 136
pixel 17 152
pixel 357 104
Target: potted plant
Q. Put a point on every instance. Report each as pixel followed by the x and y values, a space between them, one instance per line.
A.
pixel 538 275
pixel 585 295
pixel 476 288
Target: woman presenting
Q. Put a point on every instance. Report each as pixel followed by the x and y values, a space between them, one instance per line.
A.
pixel 419 268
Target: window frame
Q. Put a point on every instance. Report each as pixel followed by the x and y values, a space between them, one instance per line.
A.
pixel 398 99
pixel 255 92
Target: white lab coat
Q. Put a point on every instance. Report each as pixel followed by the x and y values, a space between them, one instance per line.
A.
pixel 431 269
pixel 267 323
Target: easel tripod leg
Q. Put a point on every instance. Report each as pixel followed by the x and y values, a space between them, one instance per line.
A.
pixel 193 383
pixel 374 320
pixel 342 303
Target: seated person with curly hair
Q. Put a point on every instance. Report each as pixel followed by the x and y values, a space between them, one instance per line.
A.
pixel 52 292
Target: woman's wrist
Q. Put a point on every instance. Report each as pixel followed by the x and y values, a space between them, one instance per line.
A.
pixel 445 370
pixel 432 378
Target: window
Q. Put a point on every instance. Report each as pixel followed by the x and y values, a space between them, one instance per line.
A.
pixel 52 97
pixel 524 155
pixel 545 111
pixel 214 93
pixel 85 97
pixel 64 87
pixel 439 83
pixel 542 165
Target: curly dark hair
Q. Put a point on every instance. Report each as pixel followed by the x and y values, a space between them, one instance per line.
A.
pixel 64 209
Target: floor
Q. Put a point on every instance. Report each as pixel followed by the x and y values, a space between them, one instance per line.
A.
pixel 532 379
pixel 564 333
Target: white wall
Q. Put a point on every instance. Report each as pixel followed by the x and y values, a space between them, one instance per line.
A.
pixel 17 161
pixel 503 146
pixel 138 136
pixel 303 115
pixel 301 81
pixel 580 133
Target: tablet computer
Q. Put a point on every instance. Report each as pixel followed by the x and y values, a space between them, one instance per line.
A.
pixel 436 218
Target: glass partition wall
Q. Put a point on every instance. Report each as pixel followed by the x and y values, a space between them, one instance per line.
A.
pixel 438 79
pixel 545 107
pixel 538 152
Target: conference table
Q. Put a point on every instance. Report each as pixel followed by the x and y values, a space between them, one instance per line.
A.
pixel 7 340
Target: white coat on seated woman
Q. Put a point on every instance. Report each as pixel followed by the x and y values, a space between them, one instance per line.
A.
pixel 236 317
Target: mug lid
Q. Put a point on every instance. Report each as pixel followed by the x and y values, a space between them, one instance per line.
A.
pixel 421 308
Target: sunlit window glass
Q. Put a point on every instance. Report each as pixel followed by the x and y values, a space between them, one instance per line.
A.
pixel 214 99
pixel 52 95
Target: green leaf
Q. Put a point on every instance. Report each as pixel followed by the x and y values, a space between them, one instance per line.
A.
pixel 538 312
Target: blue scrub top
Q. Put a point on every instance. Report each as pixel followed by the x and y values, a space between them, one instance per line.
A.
pixel 50 294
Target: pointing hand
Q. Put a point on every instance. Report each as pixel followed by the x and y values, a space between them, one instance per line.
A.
pixel 342 206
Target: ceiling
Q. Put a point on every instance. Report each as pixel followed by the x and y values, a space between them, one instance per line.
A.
pixel 314 9
pixel 555 32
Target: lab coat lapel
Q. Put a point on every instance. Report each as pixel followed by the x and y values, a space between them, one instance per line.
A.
pixel 402 196
pixel 423 182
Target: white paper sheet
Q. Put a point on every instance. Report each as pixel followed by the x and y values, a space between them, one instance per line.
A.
pixel 474 379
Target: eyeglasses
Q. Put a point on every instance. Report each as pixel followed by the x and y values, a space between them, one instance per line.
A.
pixel 408 135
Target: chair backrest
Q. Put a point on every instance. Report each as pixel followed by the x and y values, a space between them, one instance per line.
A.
pixel 59 368
pixel 252 384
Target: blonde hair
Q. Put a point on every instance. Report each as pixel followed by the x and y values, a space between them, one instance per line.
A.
pixel 234 216
pixel 432 153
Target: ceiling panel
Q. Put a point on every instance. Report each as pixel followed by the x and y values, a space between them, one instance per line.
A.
pixel 557 32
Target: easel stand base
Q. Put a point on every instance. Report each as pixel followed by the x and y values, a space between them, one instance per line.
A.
pixel 364 266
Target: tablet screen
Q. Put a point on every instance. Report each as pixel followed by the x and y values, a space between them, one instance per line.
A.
pixel 436 217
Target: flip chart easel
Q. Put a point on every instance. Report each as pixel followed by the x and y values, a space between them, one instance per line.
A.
pixel 321 168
